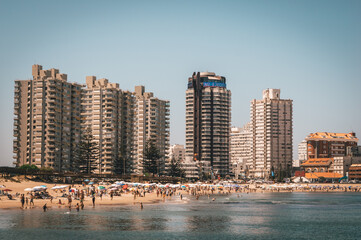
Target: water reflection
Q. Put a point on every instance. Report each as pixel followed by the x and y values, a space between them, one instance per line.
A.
pixel 251 216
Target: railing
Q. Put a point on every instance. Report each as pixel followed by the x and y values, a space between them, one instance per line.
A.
pixel 136 178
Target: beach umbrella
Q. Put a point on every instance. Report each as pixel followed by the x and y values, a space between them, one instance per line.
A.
pixel 125 186
pixel 86 180
pixel 183 186
pixel 7 190
pixel 91 183
pixel 101 187
pixel 43 186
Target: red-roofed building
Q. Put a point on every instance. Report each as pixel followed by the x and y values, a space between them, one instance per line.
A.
pixel 328 145
pixel 317 165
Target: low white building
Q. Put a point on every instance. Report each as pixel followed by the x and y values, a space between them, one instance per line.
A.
pixel 342 164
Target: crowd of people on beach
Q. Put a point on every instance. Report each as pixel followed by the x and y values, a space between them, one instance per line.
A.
pixel 74 196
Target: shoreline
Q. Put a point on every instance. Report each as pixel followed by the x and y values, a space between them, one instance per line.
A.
pixel 128 199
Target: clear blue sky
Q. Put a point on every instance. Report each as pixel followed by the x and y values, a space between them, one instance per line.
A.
pixel 311 50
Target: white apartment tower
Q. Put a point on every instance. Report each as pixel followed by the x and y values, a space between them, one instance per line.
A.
pixel 302 153
pixel 271 128
pixel 240 151
pixel 47 119
pixel 151 124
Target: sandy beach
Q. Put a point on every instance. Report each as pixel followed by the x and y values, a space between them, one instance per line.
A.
pixel 127 198
pixel 18 187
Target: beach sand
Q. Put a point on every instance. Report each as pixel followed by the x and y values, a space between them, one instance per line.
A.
pixel 18 187
pixel 22 183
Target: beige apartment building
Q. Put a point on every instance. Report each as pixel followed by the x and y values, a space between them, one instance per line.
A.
pixel 51 114
pixel 208 117
pixel 151 123
pixel 105 111
pixel 271 120
pixel 47 119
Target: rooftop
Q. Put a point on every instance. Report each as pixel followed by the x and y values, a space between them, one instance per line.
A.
pixel 317 162
pixel 332 136
pixel 316 175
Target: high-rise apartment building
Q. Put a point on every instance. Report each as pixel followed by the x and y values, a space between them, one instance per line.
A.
pixel 51 114
pixel 47 119
pixel 208 117
pixel 151 124
pixel 102 114
pixel 271 120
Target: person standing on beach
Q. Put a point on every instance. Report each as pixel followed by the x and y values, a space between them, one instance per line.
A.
pixel 31 199
pixel 45 207
pixel 141 206
pixel 69 201
pixel 22 200
pixel 77 207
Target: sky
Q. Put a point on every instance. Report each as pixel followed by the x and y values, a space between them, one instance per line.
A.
pixel 309 49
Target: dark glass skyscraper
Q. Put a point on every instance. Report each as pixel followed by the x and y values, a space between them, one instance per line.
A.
pixel 208 117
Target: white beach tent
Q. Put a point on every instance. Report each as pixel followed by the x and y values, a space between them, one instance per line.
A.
pixel 300 179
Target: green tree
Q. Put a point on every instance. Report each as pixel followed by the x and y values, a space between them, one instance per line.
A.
pixel 28 167
pixel 151 158
pixel 121 165
pixel 175 169
pixel 87 154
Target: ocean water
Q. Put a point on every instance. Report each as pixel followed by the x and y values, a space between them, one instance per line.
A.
pixel 250 216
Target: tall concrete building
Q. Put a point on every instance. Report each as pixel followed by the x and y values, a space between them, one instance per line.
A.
pixel 51 114
pixel 47 119
pixel 240 151
pixel 151 124
pixel 107 111
pixel 271 120
pixel 208 117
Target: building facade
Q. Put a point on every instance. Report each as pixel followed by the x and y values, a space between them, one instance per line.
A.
pixel 302 154
pixel 240 150
pixel 102 115
pixel 327 145
pixel 151 124
pixel 272 135
pixel 177 152
pixel 51 114
pixel 47 119
pixel 208 117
